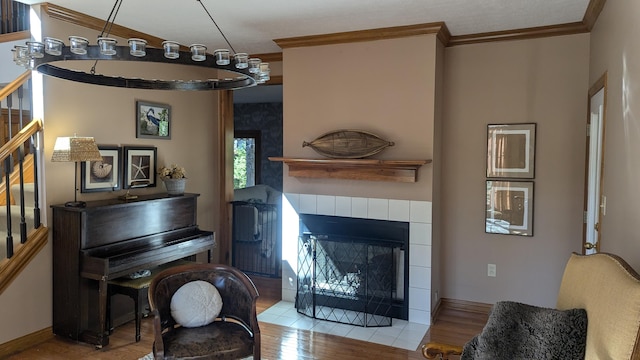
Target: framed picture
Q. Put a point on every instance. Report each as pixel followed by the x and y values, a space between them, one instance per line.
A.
pixel 102 175
pixel 511 150
pixel 509 207
pixel 153 120
pixel 139 166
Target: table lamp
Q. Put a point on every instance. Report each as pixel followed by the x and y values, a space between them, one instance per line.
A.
pixel 75 149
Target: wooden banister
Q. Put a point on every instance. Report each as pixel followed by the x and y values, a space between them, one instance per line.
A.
pixel 15 84
pixel 20 138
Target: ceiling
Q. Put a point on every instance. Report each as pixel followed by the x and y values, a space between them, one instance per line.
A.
pixel 252 25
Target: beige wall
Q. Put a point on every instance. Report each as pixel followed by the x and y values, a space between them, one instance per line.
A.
pixel 541 81
pixel 615 50
pixel 330 87
pixel 385 87
pixel 108 114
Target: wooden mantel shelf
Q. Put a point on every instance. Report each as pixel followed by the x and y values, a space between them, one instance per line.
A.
pixel 354 169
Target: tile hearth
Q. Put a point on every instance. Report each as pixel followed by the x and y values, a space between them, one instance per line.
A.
pixel 401 334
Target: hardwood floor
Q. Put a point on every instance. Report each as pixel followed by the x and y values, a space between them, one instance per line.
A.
pixel 278 342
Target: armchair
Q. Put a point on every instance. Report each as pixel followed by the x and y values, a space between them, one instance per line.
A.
pixel 234 333
pixel 608 289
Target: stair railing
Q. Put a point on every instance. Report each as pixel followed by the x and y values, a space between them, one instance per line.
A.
pixel 14 16
pixel 18 159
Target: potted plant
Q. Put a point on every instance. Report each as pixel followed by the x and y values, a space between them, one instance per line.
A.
pixel 174 178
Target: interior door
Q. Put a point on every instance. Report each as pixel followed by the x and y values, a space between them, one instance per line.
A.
pixel 595 201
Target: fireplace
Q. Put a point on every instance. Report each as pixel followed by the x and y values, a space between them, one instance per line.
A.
pixel 417 213
pixel 352 270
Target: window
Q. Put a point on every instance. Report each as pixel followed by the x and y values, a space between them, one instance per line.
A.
pixel 246 158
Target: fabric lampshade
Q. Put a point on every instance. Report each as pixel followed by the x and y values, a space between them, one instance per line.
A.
pixel 75 149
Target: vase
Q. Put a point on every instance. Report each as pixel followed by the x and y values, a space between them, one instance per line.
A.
pixel 175 186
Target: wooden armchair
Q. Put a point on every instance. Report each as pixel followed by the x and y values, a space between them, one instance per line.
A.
pixel 233 335
pixel 609 290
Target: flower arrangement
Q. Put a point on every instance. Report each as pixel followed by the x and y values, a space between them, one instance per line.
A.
pixel 172 172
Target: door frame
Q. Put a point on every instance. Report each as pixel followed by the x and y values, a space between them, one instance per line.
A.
pixel 600 84
pixel 225 179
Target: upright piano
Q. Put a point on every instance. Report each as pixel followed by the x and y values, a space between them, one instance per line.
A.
pixel 107 239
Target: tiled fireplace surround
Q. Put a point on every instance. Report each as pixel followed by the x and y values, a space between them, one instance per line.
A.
pixel 417 213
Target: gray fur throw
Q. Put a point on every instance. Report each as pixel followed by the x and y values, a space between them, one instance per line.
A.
pixel 518 331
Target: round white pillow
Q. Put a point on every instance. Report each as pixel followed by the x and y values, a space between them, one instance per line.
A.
pixel 196 303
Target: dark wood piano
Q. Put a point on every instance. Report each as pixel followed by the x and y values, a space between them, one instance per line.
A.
pixel 111 238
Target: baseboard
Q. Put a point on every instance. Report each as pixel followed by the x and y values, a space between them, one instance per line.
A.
pixel 25 342
pixel 464 305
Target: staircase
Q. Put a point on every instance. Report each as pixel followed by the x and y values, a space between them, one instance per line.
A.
pixel 22 236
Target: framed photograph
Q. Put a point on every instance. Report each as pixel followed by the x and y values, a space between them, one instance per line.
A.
pixel 105 175
pixel 509 207
pixel 153 120
pixel 139 166
pixel 511 150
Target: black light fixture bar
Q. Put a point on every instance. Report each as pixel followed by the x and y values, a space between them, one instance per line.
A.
pixel 47 65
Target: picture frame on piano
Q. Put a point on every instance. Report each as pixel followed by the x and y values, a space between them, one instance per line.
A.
pixel 139 167
pixel 105 175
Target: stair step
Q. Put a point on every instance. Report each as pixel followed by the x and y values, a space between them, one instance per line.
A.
pixel 28 194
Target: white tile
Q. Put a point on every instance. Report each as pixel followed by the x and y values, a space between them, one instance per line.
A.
pixel 419 255
pixel 420 233
pixel 343 206
pixel 288 278
pixel 284 305
pixel 399 323
pixel 402 333
pixel 284 321
pixel 390 330
pixel 289 294
pixel 324 327
pixel 294 200
pixel 304 323
pixel 421 211
pixel 417 327
pixel 341 329
pixel 399 210
pixel 378 209
pixel 420 317
pixel 419 299
pixel 420 277
pixel 415 334
pixel 326 205
pixel 359 207
pixel 307 204
pixel 382 339
pixel 270 318
pixel 360 333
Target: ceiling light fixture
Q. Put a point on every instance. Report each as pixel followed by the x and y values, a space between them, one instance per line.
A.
pixel 42 57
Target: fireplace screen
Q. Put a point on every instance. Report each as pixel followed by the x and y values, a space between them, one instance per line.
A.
pixel 346 280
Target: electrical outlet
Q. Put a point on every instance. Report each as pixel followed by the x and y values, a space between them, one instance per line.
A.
pixel 491 270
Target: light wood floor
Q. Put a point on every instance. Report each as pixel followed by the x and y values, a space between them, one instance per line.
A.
pixel 454 327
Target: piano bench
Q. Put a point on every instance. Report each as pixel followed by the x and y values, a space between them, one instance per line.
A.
pixel 136 289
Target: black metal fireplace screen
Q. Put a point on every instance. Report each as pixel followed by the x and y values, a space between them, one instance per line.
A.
pixel 350 278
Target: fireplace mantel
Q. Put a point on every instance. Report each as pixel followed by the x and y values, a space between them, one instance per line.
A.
pixel 354 169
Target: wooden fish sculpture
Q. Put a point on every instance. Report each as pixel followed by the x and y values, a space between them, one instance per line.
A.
pixel 348 144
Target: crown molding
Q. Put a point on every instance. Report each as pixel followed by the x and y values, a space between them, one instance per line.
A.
pixel 593 11
pixel 519 34
pixel 438 28
pixel 77 18
pixel 269 57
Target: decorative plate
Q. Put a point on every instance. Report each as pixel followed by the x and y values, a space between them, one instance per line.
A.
pixel 348 144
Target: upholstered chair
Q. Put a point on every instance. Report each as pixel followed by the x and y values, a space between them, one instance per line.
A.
pixel 234 331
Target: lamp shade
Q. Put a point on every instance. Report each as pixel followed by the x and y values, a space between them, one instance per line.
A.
pixel 75 149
